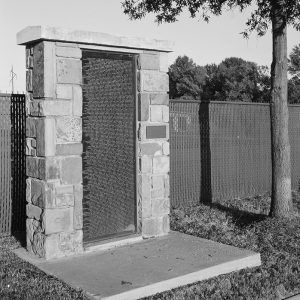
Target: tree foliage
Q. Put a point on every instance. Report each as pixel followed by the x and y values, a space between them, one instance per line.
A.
pixel 294 61
pixel 169 10
pixel 186 79
pixel 234 79
pixel 277 13
pixel 294 90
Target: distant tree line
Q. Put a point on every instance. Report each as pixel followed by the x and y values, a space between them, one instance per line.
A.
pixel 234 79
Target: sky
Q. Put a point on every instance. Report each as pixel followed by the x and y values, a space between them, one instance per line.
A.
pixel 204 43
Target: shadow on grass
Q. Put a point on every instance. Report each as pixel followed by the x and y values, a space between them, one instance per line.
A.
pixel 20 237
pixel 240 217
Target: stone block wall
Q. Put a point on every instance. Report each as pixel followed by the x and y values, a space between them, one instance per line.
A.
pixel 54 148
pixel 153 143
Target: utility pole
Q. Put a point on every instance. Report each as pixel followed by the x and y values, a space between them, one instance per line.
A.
pixel 13 76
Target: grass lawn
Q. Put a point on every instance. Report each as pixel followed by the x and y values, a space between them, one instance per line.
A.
pixel 244 224
pixel 239 223
pixel 21 280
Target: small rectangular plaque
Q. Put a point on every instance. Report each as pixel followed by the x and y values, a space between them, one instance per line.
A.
pixel 156 132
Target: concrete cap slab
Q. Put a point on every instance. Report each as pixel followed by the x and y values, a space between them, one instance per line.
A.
pixel 33 34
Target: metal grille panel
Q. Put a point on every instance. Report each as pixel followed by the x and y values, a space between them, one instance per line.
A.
pixel 222 150
pixel 109 143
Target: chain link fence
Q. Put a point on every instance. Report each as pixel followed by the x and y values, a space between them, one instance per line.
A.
pixel 222 150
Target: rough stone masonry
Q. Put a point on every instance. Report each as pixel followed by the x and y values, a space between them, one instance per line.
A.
pixel 54 135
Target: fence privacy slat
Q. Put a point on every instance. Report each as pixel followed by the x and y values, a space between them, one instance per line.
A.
pixel 18 163
pixel 221 150
pixel 5 165
pixel 12 163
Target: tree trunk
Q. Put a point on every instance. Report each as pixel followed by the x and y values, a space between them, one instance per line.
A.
pixel 281 204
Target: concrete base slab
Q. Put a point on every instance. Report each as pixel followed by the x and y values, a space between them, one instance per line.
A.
pixel 148 267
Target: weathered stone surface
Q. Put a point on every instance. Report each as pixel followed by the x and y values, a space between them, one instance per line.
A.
pixel 160 207
pixel 29 62
pixel 167 187
pixel 30 145
pixel 44 70
pixel 38 243
pixel 150 149
pixel 38 189
pixel 157 194
pixel 155 226
pixel 52 170
pixel 154 81
pixel 68 52
pixel 42 194
pixel 77 100
pixel 156 114
pixel 34 237
pixel 31 127
pixel 31 226
pixel 71 242
pixel 69 129
pixel 28 190
pixel 64 200
pixel 27 104
pixel 46 137
pixel 29 59
pixel 164 62
pixel 33 212
pixel 69 70
pixel 51 195
pixel 69 149
pixel 51 246
pixel 29 85
pixel 161 164
pixel 139 85
pixel 159 98
pixel 157 186
pixel 78 209
pixel 143 190
pixel 149 61
pixel 64 189
pixel 166 148
pixel 63 244
pixel 141 131
pixel 38 73
pixel 51 108
pixel 143 107
pixel 32 166
pixel 166 224
pixel 71 170
pixel 64 91
pixel 57 220
pixel 145 164
pixel 165 113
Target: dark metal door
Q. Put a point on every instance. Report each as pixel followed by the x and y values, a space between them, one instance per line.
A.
pixel 109 145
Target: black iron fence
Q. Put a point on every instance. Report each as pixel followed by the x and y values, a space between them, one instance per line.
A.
pixel 222 150
pixel 12 163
